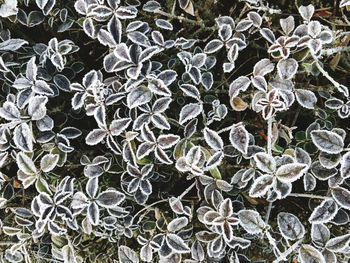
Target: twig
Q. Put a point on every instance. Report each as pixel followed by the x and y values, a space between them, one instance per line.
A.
pixel 310 196
pixel 283 256
pixel 325 73
pixel 180 18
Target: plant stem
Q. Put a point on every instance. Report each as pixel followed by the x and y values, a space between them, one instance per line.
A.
pixel 283 256
pixel 325 73
pixel 269 136
pixel 180 18
pixel 272 242
pixel 187 190
pixel 310 196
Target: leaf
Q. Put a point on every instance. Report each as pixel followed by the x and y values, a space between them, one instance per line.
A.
pixel 265 162
pixel 12 44
pixel 320 234
pixel 309 254
pixel 138 96
pixel 255 18
pixel 118 126
pixel 213 46
pixel 263 67
pixel 287 24
pixel 239 138
pixel 337 244
pixel 251 221
pixel 345 166
pixel 190 91
pixel 240 84
pixel 95 136
pixel 139 38
pixel 37 107
pixel 127 255
pixel 306 98
pixel 287 68
pixel 164 24
pixel 342 197
pixel 344 3
pixel 23 138
pixel 9 111
pixel 268 35
pixel 110 198
pixel 176 243
pixel 121 51
pixel 213 139
pixel 166 141
pixel 324 212
pixel 290 226
pixel 48 162
pixel 290 172
pixel 244 25
pixel 62 82
pixel 307 11
pixel 25 164
pixel 197 251
pixel 177 223
pixel 327 141
pixel 190 111
pixel 68 254
pixel 261 185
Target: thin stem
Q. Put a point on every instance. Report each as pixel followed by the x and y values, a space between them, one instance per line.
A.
pixel 283 256
pixel 148 207
pixel 272 242
pixel 181 18
pixel 325 73
pixel 331 51
pixel 269 136
pixel 187 190
pixel 310 196
pixel 268 213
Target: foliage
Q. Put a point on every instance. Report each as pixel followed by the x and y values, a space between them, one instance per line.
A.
pixel 145 131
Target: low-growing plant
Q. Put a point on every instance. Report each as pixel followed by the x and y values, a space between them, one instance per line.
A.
pixel 174 131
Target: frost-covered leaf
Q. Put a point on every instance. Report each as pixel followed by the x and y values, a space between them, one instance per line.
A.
pixel 345 166
pixel 127 255
pixel 287 68
pixel 239 138
pixel 290 172
pixel 306 98
pixel 213 139
pixel 95 136
pixel 110 198
pixel 164 24
pixel 238 85
pixel 190 111
pixel 263 67
pixel 25 164
pixel 320 234
pixel 307 11
pixel 268 35
pixel 342 197
pixel 12 44
pixel 177 223
pixel 287 24
pixel 251 221
pixel 197 251
pixel 337 244
pixel 261 185
pixel 48 162
pixel 244 25
pixel 207 80
pixel 324 212
pixel 9 111
pixel 255 18
pixel 121 51
pixel 118 126
pixel 265 162
pixel 309 254
pixel 139 38
pixel 344 3
pixel 166 141
pixel 190 91
pixel 138 96
pixel 23 138
pixel 37 107
pixel 213 46
pixel 290 226
pixel 176 243
pixel 327 141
